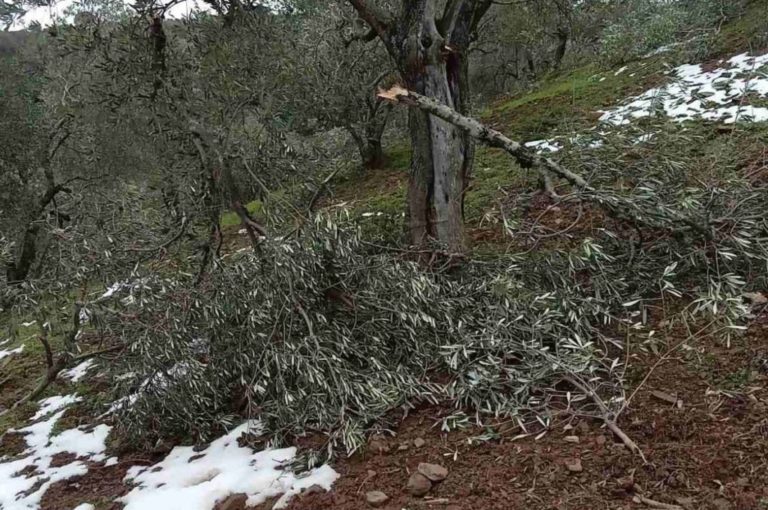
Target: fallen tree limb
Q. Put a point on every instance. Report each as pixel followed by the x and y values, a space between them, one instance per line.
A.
pixel 655 504
pixel 607 416
pixel 321 189
pixel 529 158
pixel 483 133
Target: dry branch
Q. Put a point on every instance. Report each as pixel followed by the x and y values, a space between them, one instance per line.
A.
pixel 607 416
pixel 529 158
pixel 489 136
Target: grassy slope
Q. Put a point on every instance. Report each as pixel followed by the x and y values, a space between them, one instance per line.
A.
pixel 561 104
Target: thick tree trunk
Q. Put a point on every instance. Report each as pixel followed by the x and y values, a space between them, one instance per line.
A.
pixel 372 154
pixel 429 40
pixel 440 164
pixel 442 154
pixel 369 147
pixel 563 35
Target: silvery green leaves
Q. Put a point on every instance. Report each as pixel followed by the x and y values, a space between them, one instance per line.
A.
pixel 317 333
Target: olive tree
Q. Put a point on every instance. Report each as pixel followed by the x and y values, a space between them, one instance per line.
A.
pixel 429 40
pixel 335 79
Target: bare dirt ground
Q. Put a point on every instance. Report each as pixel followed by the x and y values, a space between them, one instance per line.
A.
pixel 708 452
pixel 700 416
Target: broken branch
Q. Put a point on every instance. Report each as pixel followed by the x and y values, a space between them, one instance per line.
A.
pixel 527 157
pixel 483 133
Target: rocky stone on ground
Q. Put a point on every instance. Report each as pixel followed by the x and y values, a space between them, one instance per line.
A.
pixel 574 465
pixel 376 498
pixel 418 484
pixel 435 472
pixel 378 446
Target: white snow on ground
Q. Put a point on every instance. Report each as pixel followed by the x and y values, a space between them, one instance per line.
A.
pixel 17 350
pixel 24 491
pixel 722 95
pixel 85 506
pixel 53 404
pixel 189 480
pixel 78 372
pixel 544 145
pixel 717 95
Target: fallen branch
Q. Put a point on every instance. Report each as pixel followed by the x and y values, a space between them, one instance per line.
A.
pixel 607 416
pixel 655 504
pixel 320 189
pixel 527 157
pixel 483 133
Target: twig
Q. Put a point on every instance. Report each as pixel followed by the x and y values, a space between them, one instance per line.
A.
pixel 658 362
pixel 320 189
pixel 607 417
pixel 655 504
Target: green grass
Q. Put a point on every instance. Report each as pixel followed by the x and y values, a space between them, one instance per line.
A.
pixel 231 219
pixel 747 33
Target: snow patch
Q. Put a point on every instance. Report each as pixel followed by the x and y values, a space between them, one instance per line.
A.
pixel 544 145
pixel 25 480
pixel 189 480
pixel 17 350
pixel 719 95
pixel 78 372
pixel 53 404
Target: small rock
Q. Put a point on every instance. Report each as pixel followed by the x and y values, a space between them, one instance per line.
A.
pixel 435 472
pixel 312 489
pixel 376 498
pixel 419 442
pixel 378 446
pixel 402 447
pixel 568 427
pixel 574 465
pixel 233 502
pixel 571 439
pixel 601 440
pixel 371 473
pixel 418 484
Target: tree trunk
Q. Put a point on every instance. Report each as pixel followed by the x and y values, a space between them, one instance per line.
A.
pixel 372 154
pixel 369 147
pixel 430 49
pixel 17 272
pixel 563 35
pixel 442 154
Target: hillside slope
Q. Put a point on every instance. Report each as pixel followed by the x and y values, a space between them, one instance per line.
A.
pixel 699 406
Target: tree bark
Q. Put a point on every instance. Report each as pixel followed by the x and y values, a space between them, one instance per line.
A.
pixel 369 146
pixel 430 49
pixel 563 34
